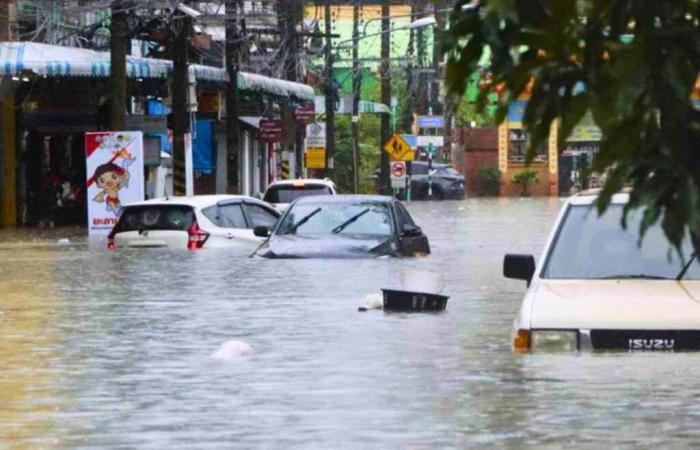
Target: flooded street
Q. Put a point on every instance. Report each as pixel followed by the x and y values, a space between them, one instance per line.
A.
pixel 112 351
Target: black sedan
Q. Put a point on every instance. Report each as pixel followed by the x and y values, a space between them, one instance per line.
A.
pixel 447 183
pixel 343 226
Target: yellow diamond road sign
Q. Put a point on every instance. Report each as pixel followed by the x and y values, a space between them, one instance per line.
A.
pixel 398 149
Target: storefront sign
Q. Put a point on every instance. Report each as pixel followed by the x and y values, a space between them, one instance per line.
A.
pixel 585 134
pixel 270 130
pixel 114 165
pixel 208 102
pixel 315 158
pixel 305 114
pixel 316 135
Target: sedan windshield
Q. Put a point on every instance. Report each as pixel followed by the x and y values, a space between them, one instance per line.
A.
pixel 592 247
pixel 345 219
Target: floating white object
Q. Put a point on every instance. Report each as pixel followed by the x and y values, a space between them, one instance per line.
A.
pixel 64 241
pixel 232 349
pixel 371 301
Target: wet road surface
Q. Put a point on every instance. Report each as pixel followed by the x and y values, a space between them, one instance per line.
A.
pixel 101 350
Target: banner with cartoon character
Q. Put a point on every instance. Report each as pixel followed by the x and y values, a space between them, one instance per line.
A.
pixel 114 176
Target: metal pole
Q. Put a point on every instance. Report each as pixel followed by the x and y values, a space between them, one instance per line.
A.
pixel 430 171
pixel 356 86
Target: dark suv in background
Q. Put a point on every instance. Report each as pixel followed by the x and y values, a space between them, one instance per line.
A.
pixel 448 183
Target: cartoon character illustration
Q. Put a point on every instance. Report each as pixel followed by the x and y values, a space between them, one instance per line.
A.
pixel 111 178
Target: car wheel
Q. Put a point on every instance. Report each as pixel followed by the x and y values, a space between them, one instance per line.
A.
pixel 438 194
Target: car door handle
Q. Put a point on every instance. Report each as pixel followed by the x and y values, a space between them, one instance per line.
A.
pixel 229 236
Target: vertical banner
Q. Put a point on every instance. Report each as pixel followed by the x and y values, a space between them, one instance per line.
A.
pixel 114 166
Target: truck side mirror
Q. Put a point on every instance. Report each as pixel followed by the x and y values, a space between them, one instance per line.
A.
pixel 519 267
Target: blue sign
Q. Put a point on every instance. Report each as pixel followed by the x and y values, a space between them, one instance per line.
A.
pixel 431 122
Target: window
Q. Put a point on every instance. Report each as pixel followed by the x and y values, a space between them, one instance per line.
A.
pixel 260 216
pixel 156 217
pixel 518 141
pixel 403 217
pixel 226 216
pixel 288 193
pixel 350 219
pixel 591 247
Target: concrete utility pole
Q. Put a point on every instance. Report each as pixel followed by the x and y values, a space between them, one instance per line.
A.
pixel 409 105
pixel 329 89
pixel 10 168
pixel 291 14
pixel 233 128
pixel 447 106
pixel 119 42
pixel 180 86
pixel 356 87
pixel 384 186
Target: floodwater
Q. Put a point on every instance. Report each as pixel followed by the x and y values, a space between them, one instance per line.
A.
pixel 104 350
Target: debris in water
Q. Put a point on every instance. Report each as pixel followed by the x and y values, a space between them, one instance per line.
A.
pixel 64 241
pixel 371 301
pixel 232 349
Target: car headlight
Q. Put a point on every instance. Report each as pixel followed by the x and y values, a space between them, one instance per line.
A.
pixel 554 340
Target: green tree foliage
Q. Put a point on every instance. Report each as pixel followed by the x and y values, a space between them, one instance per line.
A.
pixel 524 179
pixel 369 153
pixel 632 63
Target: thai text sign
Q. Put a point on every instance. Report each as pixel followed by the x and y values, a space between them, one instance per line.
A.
pixel 114 165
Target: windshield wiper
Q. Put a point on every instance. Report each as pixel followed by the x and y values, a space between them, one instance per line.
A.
pixel 305 219
pixel 345 224
pixel 687 266
pixel 640 276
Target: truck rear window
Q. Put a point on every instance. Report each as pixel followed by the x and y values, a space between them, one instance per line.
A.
pixel 156 217
pixel 288 193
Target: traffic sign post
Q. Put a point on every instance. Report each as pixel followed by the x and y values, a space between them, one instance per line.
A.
pixel 398 149
pixel 398 174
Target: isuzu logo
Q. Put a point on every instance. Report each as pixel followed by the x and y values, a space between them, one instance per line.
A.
pixel 651 344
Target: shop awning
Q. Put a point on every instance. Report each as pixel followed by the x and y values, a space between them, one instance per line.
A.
pixel 55 60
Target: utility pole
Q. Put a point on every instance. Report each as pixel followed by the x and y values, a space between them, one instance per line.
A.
pixel 356 87
pixel 119 41
pixel 409 105
pixel 180 87
pixel 438 57
pixel 385 74
pixel 290 14
pixel 233 130
pixel 330 91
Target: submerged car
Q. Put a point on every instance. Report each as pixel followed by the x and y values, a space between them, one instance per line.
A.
pixel 597 287
pixel 201 221
pixel 447 182
pixel 281 193
pixel 344 226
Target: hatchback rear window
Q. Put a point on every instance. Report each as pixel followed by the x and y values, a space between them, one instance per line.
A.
pixel 156 217
pixel 288 193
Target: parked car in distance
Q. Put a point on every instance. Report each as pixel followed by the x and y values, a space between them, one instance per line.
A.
pixel 201 221
pixel 344 226
pixel 596 288
pixel 448 183
pixel 281 193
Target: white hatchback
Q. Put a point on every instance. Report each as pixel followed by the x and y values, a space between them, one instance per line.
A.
pixel 202 221
pixel 597 287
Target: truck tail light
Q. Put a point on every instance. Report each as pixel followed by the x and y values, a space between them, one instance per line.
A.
pixel 521 341
pixel 197 236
